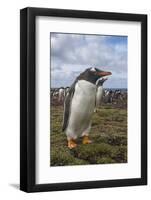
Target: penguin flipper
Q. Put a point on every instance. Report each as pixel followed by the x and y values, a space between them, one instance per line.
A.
pixel 67 105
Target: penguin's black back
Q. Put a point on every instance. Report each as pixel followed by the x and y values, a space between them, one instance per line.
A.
pixel 67 105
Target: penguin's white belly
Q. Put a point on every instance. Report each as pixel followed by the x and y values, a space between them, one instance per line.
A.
pixel 99 95
pixel 82 108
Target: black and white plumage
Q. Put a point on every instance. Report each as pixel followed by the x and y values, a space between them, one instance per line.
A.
pixel 61 94
pixel 66 90
pixel 80 102
pixel 99 91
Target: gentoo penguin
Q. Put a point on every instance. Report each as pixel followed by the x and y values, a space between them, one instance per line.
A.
pixel 55 94
pixel 99 91
pixel 79 106
pixel 66 90
pixel 61 94
pixel 110 97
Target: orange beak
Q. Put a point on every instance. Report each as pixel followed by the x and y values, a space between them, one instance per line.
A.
pixel 104 73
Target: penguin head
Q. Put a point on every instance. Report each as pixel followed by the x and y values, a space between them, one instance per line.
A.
pixel 93 74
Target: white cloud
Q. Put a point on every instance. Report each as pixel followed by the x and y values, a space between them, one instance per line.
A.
pixel 71 54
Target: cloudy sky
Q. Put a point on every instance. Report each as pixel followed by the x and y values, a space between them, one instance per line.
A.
pixel 71 54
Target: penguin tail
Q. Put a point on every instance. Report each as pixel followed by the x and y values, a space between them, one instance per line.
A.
pixel 63 128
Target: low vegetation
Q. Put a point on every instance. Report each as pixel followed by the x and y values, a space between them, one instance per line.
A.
pixel 108 133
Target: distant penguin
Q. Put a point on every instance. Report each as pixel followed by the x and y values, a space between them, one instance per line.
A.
pixel 55 94
pixel 79 106
pixel 61 94
pixel 99 91
pixel 66 90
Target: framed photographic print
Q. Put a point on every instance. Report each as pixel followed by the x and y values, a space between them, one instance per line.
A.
pixel 83 99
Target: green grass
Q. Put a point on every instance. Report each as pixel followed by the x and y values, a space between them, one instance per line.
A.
pixel 108 135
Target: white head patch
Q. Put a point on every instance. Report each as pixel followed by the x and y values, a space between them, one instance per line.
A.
pixel 93 69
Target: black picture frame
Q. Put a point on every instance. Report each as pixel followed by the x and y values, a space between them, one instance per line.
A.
pixel 28 99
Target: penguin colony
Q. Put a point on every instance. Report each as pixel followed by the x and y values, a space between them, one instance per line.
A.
pixel 80 102
pixel 110 96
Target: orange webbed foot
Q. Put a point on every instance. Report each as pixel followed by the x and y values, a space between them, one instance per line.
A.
pixel 71 144
pixel 86 140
